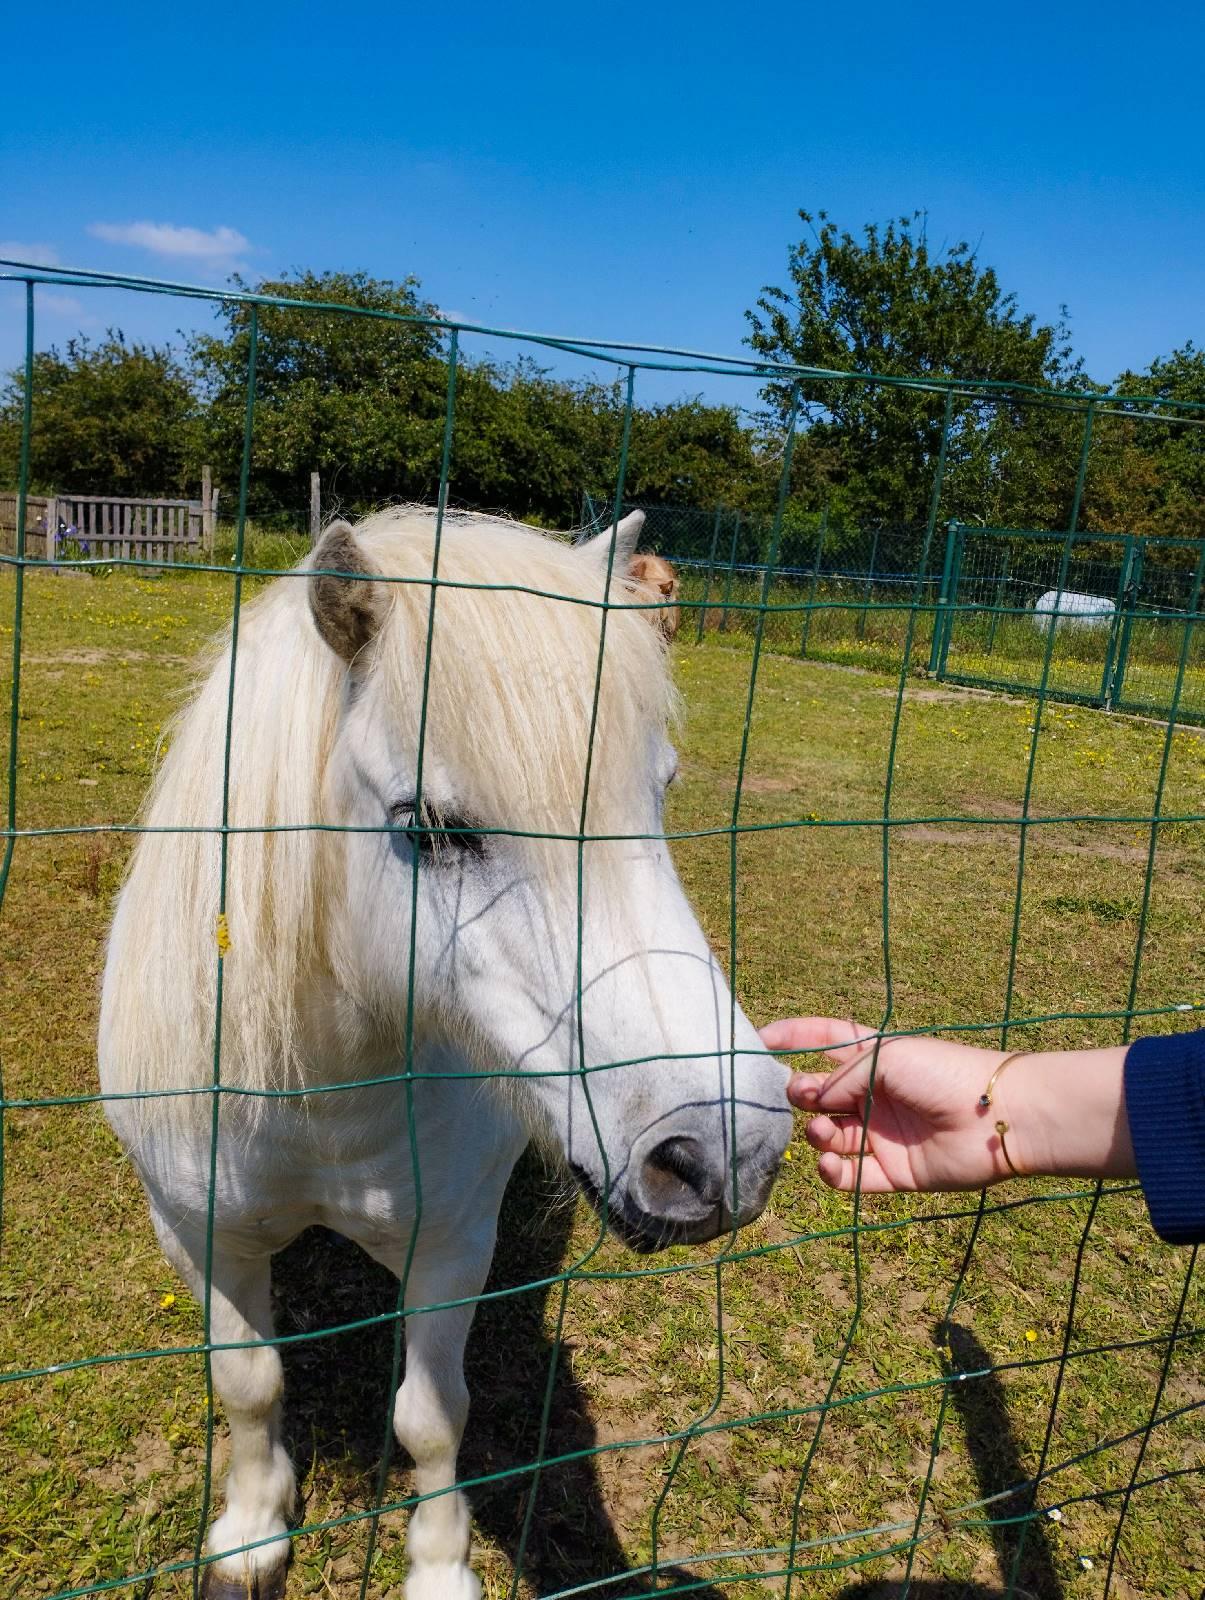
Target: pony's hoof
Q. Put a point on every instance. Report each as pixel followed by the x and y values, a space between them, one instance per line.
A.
pixel 443 1580
pixel 255 1586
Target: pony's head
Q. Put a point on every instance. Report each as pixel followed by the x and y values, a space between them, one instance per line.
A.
pixel 503 767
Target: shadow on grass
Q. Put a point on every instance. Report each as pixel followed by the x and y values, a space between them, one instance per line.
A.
pixel 337 1393
pixel 992 1445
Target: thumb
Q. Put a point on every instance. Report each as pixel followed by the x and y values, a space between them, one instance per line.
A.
pixel 842 1041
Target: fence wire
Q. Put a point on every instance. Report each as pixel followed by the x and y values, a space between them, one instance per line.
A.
pixel 980 620
pixel 764 1479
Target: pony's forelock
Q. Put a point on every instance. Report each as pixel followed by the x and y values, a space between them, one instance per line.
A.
pixel 514 677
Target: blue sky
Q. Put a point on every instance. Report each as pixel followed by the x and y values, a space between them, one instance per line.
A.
pixel 621 170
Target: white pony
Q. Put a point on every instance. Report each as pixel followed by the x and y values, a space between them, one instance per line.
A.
pixel 677 1139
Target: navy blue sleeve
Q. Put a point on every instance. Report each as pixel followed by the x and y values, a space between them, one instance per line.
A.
pixel 1165 1104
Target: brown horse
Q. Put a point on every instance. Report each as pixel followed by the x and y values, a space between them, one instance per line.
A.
pixel 657 576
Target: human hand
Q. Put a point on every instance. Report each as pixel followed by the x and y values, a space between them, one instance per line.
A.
pixel 925 1128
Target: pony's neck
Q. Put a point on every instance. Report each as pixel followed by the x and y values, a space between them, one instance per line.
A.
pixel 343 1042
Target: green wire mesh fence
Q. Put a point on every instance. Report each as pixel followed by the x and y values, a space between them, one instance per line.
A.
pixel 1125 609
pixel 1125 618
pixel 1002 1392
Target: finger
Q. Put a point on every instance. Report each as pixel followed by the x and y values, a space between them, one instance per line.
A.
pixel 841 1041
pixel 842 1138
pixel 843 1175
pixel 840 1092
pixel 803 1089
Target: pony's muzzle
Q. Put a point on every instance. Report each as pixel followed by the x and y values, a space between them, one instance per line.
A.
pixel 686 1189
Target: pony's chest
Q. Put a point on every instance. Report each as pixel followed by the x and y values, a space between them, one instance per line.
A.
pixel 365 1166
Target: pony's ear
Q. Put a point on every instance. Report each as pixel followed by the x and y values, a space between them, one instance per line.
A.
pixel 626 534
pixel 347 611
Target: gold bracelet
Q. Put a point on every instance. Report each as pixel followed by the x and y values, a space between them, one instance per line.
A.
pixel 985 1100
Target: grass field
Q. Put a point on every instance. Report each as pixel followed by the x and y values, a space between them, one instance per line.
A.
pixel 101 1468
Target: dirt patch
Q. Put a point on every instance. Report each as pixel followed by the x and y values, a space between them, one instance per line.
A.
pixel 1008 809
pixel 756 785
pixel 1108 852
pixel 150 1455
pixel 924 834
pixel 918 692
pixel 86 656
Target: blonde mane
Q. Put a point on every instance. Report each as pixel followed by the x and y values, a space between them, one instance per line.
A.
pixel 510 700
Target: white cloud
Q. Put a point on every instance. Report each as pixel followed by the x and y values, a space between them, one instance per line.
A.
pixel 60 305
pixel 36 255
pixel 219 247
pixel 49 305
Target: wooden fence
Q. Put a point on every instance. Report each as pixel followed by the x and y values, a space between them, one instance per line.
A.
pixel 36 507
pixel 152 530
pixel 110 527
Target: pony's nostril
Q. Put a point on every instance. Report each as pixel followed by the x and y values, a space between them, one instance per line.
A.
pixel 677 1179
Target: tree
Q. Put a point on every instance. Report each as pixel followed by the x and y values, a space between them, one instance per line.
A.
pixel 691 454
pixel 107 418
pixel 363 401
pixel 358 398
pixel 530 444
pixel 886 305
pixel 1147 474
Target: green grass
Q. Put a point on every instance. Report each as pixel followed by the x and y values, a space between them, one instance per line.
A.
pixel 101 1469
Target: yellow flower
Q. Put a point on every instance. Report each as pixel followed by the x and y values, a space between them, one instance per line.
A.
pixel 167 1302
pixel 1031 1336
pixel 787 1156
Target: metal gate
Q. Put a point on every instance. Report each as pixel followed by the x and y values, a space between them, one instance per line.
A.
pixel 1106 620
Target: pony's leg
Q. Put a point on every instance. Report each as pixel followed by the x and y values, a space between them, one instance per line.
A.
pixel 429 1415
pixel 260 1487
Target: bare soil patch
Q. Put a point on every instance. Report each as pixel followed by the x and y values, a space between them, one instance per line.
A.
pixel 93 656
pixel 753 784
pixel 922 833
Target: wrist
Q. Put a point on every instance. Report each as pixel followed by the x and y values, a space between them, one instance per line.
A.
pixel 1065 1114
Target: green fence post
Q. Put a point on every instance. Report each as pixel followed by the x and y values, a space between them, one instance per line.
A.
pixel 874 556
pixel 951 608
pixel 6 860
pixel 1123 626
pixel 925 583
pixel 1123 578
pixel 1001 583
pixel 715 539
pixel 736 529
pixel 939 615
pixel 821 532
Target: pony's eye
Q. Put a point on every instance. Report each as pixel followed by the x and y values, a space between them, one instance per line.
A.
pixel 433 836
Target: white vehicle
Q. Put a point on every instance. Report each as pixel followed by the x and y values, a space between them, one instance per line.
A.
pixel 1071 610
